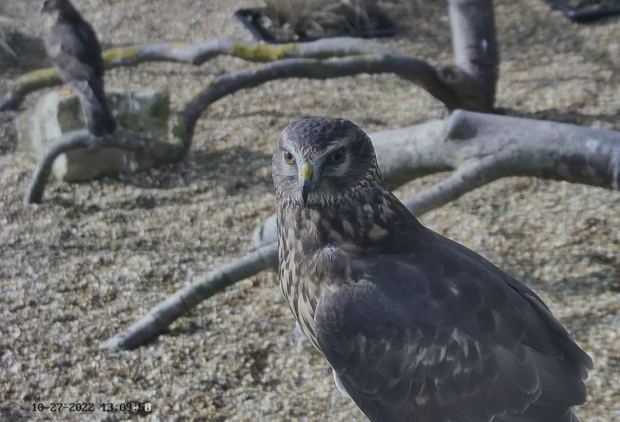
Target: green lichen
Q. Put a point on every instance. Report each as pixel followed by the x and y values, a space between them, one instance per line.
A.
pixel 120 54
pixel 263 53
pixel 70 114
pixel 196 98
pixel 160 109
pixel 184 322
pixel 366 58
pixel 179 132
pixel 38 79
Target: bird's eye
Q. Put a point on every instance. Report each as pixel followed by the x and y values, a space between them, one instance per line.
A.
pixel 337 157
pixel 288 158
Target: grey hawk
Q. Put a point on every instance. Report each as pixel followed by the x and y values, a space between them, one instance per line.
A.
pixel 73 47
pixel 416 327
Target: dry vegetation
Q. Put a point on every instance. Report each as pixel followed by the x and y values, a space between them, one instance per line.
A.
pixel 95 257
pixel 315 17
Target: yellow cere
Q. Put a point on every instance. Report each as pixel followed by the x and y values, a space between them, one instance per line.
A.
pixel 307 172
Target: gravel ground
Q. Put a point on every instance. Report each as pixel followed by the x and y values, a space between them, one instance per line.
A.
pixel 95 257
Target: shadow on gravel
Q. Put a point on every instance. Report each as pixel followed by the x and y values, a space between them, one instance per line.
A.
pixel 213 173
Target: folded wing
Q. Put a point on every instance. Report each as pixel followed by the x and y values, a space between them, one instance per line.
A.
pixel 442 335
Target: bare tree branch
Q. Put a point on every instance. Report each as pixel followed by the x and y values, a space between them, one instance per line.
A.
pixel 195 54
pixel 202 288
pixel 479 147
pixel 160 151
pixel 461 181
pixel 476 52
pixel 417 71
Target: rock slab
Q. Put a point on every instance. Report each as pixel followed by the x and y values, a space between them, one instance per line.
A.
pixel 145 112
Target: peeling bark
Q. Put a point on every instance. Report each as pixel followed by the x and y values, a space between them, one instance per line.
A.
pixel 480 148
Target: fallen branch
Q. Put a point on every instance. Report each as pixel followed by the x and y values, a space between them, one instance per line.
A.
pixel 416 71
pixel 204 287
pixel 479 147
pixel 160 151
pixel 196 54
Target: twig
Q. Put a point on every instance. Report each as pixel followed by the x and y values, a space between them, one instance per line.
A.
pixel 461 181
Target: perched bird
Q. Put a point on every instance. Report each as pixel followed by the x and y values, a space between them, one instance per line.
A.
pixel 416 327
pixel 74 49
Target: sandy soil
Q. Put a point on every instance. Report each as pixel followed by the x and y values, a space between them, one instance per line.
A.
pixel 95 257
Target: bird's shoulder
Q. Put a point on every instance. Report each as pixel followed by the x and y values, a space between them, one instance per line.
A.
pixel 74 39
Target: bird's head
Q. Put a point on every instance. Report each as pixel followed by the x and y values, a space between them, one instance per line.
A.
pixel 323 161
pixel 57 6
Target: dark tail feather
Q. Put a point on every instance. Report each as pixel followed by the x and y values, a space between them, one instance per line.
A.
pixel 99 119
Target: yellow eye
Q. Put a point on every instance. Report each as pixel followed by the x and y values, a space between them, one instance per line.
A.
pixel 288 158
pixel 337 157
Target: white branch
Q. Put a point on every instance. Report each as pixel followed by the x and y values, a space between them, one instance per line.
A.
pixel 195 54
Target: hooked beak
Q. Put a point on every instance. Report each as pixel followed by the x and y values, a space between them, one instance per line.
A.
pixel 307 173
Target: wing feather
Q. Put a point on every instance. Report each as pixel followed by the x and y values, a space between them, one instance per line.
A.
pixel 442 335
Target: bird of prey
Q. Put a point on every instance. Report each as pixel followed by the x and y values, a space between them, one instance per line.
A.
pixel 416 327
pixel 74 49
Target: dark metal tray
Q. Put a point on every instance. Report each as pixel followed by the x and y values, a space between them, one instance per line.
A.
pixel 250 19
